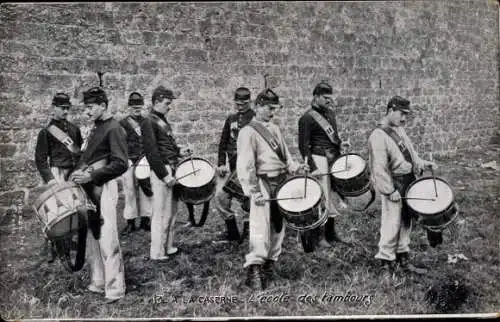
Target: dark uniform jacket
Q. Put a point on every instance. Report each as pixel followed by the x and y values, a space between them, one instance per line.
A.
pixel 227 144
pixel 159 145
pixel 107 140
pixel 134 141
pixel 314 140
pixel 49 152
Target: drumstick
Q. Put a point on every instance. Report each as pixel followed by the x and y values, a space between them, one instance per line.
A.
pixel 305 179
pixel 411 198
pixel 433 177
pixel 278 199
pixel 188 174
pixel 192 163
pixel 346 156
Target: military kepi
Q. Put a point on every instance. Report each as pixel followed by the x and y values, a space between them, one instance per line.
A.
pixel 323 88
pixel 268 97
pixel 397 103
pixel 95 95
pixel 242 95
pixel 135 99
pixel 62 100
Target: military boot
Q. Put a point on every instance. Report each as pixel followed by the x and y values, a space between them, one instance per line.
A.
pixel 330 233
pixel 268 272
pixel 130 227
pixel 254 277
pixel 145 223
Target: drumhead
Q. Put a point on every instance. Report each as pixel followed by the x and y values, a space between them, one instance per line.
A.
pixel 198 179
pixel 424 188
pixel 295 188
pixel 355 166
pixel 142 170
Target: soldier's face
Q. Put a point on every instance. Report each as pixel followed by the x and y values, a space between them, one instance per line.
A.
pixel 136 110
pixel 266 112
pixel 60 112
pixel 325 100
pixel 163 105
pixel 397 117
pixel 241 106
pixel 95 111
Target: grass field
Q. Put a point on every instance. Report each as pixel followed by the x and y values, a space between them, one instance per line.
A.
pixel 32 288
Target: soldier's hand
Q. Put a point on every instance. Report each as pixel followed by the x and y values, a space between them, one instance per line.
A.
pixel 222 170
pixel 345 145
pixel 395 196
pixel 51 182
pixel 169 181
pixel 80 177
pixel 186 151
pixel 258 198
pixel 430 165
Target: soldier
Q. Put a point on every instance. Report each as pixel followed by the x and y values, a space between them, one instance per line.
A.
pixel 263 163
pixel 138 195
pixel 104 158
pixel 227 154
pixel 162 153
pixel 57 148
pixel 320 143
pixel 393 165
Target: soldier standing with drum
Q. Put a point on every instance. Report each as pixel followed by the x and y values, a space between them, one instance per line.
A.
pixel 162 153
pixel 227 154
pixel 263 163
pixel 320 143
pixel 393 164
pixel 138 196
pixel 57 146
pixel 104 158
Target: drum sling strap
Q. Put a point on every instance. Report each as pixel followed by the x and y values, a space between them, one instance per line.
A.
pixel 206 205
pixel 325 126
pixel 401 183
pixel 64 138
pixel 271 184
pixel 135 126
pixel 145 184
pixel 269 138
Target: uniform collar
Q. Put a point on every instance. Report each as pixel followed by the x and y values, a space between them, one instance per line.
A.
pixel 102 121
pixel 384 123
pixel 160 115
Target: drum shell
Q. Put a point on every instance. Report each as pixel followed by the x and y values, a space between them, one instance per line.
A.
pixel 352 187
pixel 196 195
pixel 438 220
pixel 303 220
pixel 58 207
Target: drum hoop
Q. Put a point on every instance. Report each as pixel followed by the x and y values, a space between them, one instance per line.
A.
pixel 443 226
pixel 358 193
pixel 321 220
pixel 296 177
pixel 343 155
pixel 188 159
pixel 53 189
pixel 431 178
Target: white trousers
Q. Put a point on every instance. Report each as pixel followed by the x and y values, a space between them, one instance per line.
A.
pixel 394 236
pixel 163 218
pixel 104 255
pixel 331 198
pixel 265 242
pixel 60 174
pixel 136 202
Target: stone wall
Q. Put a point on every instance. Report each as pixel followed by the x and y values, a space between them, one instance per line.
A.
pixel 442 55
